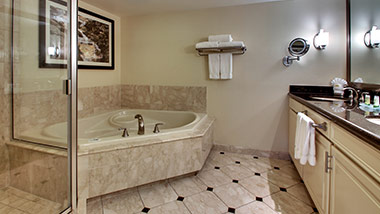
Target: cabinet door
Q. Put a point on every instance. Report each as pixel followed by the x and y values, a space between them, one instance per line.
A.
pixel 317 178
pixel 352 190
pixel 292 136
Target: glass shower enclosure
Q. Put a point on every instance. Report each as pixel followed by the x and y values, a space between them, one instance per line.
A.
pixel 42 78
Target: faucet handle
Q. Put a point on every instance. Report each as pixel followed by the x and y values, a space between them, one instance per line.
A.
pixel 125 132
pixel 156 129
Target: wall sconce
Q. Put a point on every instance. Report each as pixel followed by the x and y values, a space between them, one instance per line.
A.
pixel 372 38
pixel 321 40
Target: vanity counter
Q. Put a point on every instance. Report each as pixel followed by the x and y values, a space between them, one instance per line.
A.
pixel 350 118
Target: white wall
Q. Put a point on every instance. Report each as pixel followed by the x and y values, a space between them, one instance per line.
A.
pixel 251 109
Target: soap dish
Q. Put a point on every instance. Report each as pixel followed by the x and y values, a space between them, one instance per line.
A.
pixel 369 108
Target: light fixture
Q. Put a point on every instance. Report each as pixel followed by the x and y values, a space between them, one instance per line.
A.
pixel 372 38
pixel 321 40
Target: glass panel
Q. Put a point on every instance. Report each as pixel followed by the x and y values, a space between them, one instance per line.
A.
pixel 39 168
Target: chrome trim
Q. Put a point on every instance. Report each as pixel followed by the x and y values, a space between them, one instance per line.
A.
pixel 73 103
pixel 327 158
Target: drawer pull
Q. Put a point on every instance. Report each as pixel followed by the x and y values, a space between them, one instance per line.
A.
pixel 327 157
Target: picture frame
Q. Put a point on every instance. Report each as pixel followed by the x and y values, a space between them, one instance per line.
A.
pixel 96 39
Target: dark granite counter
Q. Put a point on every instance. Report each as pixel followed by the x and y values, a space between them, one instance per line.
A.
pixel 348 116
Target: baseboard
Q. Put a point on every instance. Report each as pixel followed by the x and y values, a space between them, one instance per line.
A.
pixel 248 151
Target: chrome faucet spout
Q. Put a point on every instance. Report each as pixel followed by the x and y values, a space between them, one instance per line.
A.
pixel 141 126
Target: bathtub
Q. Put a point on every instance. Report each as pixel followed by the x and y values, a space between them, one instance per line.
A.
pixel 103 129
pixel 108 162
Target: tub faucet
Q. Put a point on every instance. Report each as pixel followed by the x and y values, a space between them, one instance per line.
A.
pixel 140 126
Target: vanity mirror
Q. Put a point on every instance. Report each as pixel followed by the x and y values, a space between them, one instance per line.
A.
pixel 363 52
pixel 297 47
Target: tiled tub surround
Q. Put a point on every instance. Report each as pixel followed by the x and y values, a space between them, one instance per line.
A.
pixel 39 109
pixel 228 183
pixel 177 98
pixel 116 167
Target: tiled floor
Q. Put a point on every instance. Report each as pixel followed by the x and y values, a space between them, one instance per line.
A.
pixel 14 201
pixel 228 183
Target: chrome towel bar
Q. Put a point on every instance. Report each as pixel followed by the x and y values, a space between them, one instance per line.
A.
pixel 322 126
pixel 234 50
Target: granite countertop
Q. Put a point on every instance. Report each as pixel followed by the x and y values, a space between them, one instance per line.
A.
pixel 350 117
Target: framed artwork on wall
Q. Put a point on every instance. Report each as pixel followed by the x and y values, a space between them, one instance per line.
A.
pixel 95 37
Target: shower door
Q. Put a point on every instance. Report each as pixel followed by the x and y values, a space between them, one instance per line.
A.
pixel 43 153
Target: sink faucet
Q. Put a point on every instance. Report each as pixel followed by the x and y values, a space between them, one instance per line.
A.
pixel 353 95
pixel 141 126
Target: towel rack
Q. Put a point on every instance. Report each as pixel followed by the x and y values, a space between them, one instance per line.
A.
pixel 322 126
pixel 234 50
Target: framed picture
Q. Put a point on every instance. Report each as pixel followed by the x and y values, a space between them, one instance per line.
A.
pixel 95 37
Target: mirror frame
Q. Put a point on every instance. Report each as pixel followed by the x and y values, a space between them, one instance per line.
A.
pixel 304 50
pixel 361 86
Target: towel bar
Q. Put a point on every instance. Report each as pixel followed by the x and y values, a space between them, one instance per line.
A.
pixel 322 126
pixel 234 50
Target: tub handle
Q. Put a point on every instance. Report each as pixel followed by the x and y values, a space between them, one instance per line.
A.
pixel 156 129
pixel 125 132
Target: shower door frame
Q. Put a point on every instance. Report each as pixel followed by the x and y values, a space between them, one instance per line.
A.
pixel 71 90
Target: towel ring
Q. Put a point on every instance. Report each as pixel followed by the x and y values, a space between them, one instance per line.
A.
pixel 322 126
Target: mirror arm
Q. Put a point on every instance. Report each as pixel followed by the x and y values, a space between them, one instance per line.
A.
pixel 288 60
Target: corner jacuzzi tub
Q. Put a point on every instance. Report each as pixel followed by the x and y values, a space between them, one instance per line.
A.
pixel 103 129
pixel 108 162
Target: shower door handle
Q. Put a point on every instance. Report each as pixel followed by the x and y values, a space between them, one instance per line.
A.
pixel 67 87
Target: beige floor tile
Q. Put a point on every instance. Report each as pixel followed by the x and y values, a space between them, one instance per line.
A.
pixel 234 195
pixel 300 192
pixel 290 170
pixel 259 186
pixel 156 194
pixel 275 162
pixel 283 202
pixel 256 207
pixel 214 178
pixel 205 202
pixel 220 160
pixel 258 166
pixel 174 207
pixel 280 179
pixel 236 171
pixel 239 157
pixel 187 186
pixel 127 201
pixel 207 166
pixel 94 206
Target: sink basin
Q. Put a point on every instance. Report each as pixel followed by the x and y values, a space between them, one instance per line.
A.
pixel 331 99
pixel 374 119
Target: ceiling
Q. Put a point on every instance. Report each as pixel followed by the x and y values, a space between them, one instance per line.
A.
pixel 140 7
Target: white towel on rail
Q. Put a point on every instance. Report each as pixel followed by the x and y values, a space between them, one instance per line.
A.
pixel 231 44
pixel 214 66
pixel 304 148
pixel 207 45
pixel 220 38
pixel 226 66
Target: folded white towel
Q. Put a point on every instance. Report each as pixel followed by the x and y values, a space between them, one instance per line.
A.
pixel 214 66
pixel 220 38
pixel 207 45
pixel 304 149
pixel 231 44
pixel 226 66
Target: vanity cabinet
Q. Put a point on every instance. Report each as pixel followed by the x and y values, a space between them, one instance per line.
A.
pixel 346 177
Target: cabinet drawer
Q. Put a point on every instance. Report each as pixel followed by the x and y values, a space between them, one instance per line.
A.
pixel 296 106
pixel 318 119
pixel 360 152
